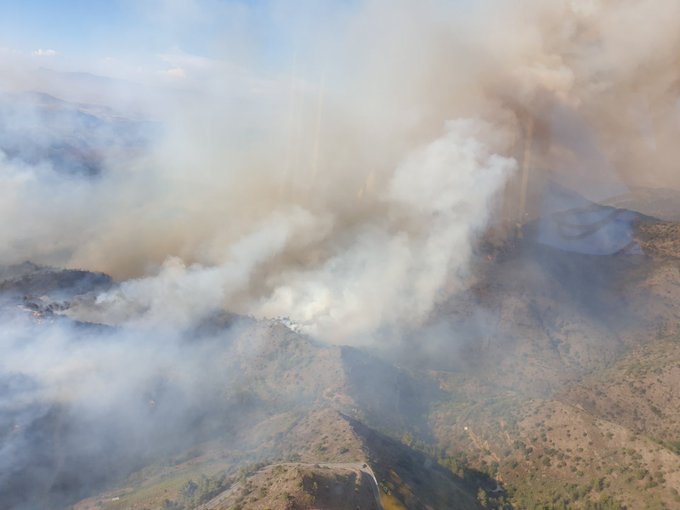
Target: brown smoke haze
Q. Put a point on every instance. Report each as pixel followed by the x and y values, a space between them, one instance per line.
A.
pixel 347 192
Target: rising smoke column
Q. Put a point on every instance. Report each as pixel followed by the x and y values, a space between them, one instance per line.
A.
pixel 393 274
pixel 267 187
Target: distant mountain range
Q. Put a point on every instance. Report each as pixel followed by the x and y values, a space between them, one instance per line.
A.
pixel 71 138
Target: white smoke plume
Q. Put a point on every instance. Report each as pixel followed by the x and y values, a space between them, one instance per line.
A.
pixel 345 192
pixel 387 269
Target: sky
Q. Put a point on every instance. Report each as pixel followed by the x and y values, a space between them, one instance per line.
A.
pixel 124 38
pixel 66 27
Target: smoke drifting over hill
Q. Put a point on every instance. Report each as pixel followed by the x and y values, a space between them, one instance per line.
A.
pixel 346 192
pixel 342 182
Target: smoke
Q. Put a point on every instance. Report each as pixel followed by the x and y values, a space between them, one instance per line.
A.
pixel 388 268
pixel 82 406
pixel 272 175
pixel 332 163
pixel 264 193
pixel 268 185
pixel 395 273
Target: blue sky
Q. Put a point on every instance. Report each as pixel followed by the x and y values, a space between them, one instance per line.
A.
pixel 140 30
pixel 68 26
pixel 143 39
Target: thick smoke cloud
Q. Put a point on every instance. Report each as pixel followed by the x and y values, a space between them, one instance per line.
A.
pixel 272 186
pixel 341 181
pixel 386 269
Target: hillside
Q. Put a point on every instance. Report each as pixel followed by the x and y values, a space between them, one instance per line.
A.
pixel 71 139
pixel 322 458
pixel 547 384
pixel 570 401
pixel 637 392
